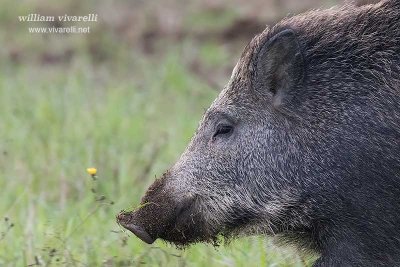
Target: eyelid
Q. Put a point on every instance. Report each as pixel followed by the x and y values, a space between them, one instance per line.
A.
pixel 226 120
pixel 223 126
pixel 223 116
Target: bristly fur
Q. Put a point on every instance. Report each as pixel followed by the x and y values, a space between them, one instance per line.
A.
pixel 321 168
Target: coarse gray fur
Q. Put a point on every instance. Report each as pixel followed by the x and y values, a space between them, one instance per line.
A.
pixel 314 153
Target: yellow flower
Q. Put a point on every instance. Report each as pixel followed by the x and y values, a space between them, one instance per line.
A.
pixel 91 171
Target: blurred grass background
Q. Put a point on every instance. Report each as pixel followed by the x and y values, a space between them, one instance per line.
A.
pixel 125 99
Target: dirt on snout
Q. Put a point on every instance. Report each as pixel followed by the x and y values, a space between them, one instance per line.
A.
pixel 161 215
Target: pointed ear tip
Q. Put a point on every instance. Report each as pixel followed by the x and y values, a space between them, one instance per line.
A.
pixel 286 37
pixel 285 34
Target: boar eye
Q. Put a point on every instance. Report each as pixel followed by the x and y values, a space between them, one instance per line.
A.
pixel 223 129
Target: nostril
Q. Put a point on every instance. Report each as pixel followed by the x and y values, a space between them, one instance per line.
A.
pixel 123 216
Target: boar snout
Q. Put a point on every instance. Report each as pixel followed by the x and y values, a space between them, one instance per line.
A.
pixel 151 220
pixel 155 220
pixel 126 219
pixel 155 213
pixel 162 214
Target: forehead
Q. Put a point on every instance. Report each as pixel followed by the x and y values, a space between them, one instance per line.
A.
pixel 237 97
pixel 238 88
pixel 234 101
pixel 223 105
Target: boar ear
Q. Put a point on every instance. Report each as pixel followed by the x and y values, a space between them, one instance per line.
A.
pixel 279 66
